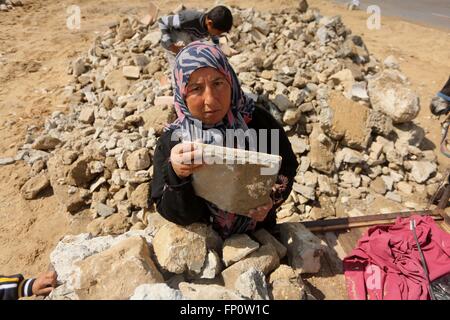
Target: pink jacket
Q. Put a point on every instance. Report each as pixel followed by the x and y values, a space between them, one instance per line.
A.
pixel 386 264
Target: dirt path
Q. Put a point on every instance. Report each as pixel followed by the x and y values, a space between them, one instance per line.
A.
pixel 36 48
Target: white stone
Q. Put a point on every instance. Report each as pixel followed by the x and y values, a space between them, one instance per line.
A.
pixel 156 291
pixel 422 170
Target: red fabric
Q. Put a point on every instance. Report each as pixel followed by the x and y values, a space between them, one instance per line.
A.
pixel 386 263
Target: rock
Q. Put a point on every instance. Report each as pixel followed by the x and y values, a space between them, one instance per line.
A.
pixel 115 224
pixel 303 6
pixel 422 170
pixel 405 187
pixel 103 210
pixel 347 155
pixel 379 123
pixel 349 179
pixel 78 67
pixel 69 157
pixel 304 164
pixel 304 249
pixel 292 116
pixel 344 78
pixel 297 97
pixel 237 247
pixel 156 291
pixel 388 181
pixel 252 285
pixel 178 249
pixel 354 134
pixel 131 72
pixel 391 63
pixel 326 185
pixel 141 61
pixel 299 146
pixel 305 191
pixel 212 266
pixel 141 195
pixel 354 48
pixel 96 167
pixel 265 259
pixel 390 95
pixel 34 186
pixel 158 117
pixel 321 153
pixel 286 284
pixel 87 115
pixel 153 37
pixel 45 143
pixel 72 202
pixel 79 173
pixel 261 26
pixel 358 91
pixel 394 197
pixel 245 178
pixel 164 101
pixel 264 237
pixel 378 186
pixel 282 102
pixel 37 167
pixel 138 160
pixel 116 82
pixel 193 291
pixel 125 31
pixel 6 161
pixel 117 271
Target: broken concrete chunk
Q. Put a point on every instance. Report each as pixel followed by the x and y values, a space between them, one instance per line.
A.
pixel 117 271
pixel 33 187
pixel 265 259
pixel 252 285
pixel 237 247
pixel 178 249
pixel 304 249
pixel 389 94
pixel 246 178
pixel 264 237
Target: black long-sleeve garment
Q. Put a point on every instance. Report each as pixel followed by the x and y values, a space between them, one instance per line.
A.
pixel 15 287
pixel 175 197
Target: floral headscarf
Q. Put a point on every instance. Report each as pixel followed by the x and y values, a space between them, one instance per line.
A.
pixel 200 54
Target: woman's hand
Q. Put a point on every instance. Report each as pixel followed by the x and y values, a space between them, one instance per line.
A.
pixel 185 158
pixel 260 213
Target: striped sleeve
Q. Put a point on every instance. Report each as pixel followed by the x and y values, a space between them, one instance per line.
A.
pixel 166 25
pixel 15 287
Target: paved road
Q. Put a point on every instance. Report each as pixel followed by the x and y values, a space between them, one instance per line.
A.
pixel 430 12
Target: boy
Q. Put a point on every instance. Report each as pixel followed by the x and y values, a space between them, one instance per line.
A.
pixel 190 25
pixel 15 287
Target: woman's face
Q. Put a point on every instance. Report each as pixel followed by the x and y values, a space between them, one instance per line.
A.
pixel 208 96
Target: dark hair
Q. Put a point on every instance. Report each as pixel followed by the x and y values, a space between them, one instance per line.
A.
pixel 221 18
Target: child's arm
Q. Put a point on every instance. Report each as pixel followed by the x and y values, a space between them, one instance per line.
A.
pixel 166 25
pixel 15 287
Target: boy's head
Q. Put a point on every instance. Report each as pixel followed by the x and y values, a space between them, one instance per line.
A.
pixel 219 20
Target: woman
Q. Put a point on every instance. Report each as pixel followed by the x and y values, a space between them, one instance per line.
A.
pixel 208 96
